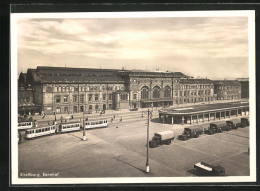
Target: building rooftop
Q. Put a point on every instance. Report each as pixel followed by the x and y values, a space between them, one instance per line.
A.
pixel 227 82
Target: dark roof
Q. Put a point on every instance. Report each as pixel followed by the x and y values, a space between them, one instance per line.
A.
pixel 74 75
pixel 46 74
pixel 195 81
pixel 200 109
pixel 144 73
pixel 226 83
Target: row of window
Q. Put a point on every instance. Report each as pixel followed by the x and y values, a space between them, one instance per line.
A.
pixel 195 86
pixel 82 89
pixel 156 92
pixel 195 93
pixel 81 98
pixel 195 100
pixel 228 87
pixel 81 108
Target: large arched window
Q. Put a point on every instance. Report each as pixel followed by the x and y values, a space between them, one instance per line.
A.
pixel 167 92
pixel 145 92
pixel 156 92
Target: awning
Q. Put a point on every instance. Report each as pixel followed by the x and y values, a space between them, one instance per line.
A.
pixel 156 100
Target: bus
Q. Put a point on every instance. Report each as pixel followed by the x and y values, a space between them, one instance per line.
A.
pixel 25 125
pixel 69 126
pixel 96 124
pixel 39 131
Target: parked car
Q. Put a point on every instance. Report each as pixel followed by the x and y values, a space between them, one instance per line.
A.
pixel 164 137
pixel 134 109
pixel 209 170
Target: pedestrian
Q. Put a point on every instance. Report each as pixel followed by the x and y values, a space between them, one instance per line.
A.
pixel 114 116
pixel 142 114
pixel 121 119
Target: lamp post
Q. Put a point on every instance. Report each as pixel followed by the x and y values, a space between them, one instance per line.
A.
pixel 84 132
pixel 147 153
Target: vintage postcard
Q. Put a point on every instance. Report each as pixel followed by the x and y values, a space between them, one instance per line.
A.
pixel 133 97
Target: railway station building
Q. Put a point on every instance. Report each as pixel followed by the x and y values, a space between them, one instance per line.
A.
pixel 72 90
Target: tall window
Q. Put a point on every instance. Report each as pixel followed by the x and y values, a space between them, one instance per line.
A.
pixel 145 93
pixel 65 99
pixel 167 92
pixel 110 97
pixel 96 97
pixel 104 96
pixel 135 96
pixel 58 99
pixel 156 92
pixel 81 98
pixel 75 99
pixel 89 97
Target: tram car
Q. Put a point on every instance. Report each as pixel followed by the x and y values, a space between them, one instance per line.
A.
pixel 68 126
pixel 25 125
pixel 96 124
pixel 39 131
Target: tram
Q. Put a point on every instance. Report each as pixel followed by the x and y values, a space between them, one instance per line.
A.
pixel 96 124
pixel 39 131
pixel 69 126
pixel 25 125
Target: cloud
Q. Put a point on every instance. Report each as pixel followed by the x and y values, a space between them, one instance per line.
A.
pixel 144 40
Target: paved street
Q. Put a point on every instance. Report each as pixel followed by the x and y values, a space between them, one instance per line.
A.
pixel 121 152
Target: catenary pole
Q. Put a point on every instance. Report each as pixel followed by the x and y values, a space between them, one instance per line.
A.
pixel 147 153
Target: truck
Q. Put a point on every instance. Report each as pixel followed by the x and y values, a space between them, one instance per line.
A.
pixel 191 132
pixel 209 170
pixel 164 137
pixel 245 121
pixel 216 128
pixel 234 123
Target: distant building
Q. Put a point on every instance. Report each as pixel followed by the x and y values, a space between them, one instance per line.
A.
pixel 227 89
pixel 26 103
pixel 244 87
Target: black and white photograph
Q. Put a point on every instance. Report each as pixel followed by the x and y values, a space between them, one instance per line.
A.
pixel 133 97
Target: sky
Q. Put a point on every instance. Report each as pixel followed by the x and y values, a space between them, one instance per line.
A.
pixel 212 47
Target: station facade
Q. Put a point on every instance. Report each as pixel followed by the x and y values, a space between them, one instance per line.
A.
pixel 72 90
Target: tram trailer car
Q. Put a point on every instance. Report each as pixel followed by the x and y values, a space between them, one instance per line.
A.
pixel 191 132
pixel 96 124
pixel 217 127
pixel 68 126
pixel 25 125
pixel 209 170
pixel 164 137
pixel 39 131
